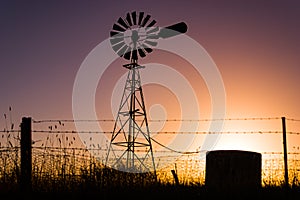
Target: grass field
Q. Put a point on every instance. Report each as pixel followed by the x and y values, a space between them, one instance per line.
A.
pixel 104 183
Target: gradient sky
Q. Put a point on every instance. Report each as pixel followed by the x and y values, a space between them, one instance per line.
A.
pixel 255 45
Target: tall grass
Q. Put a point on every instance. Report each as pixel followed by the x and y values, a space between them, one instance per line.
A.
pixel 75 169
pixel 60 167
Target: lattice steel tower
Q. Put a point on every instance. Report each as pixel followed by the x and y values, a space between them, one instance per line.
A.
pixel 130 148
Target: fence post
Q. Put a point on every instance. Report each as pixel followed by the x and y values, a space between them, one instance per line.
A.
pixel 26 157
pixel 286 175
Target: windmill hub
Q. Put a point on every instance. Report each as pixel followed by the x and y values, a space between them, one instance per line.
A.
pixel 135 37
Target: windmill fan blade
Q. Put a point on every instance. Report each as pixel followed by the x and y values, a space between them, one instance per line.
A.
pixel 151 23
pixel 147 49
pixel 128 18
pixel 122 51
pixel 141 53
pixel 116 27
pixel 141 16
pixel 133 14
pixel 173 30
pixel 145 20
pixel 112 33
pixel 118 46
pixel 114 41
pixel 128 53
pixel 122 22
pixel 152 30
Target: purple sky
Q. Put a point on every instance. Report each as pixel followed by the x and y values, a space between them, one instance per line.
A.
pixel 255 45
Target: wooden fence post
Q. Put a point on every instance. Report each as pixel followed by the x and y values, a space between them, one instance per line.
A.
pixel 286 175
pixel 26 157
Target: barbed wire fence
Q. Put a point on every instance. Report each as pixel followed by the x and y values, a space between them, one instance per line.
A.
pixel 59 154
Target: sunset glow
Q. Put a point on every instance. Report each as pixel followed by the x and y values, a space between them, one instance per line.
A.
pixel 230 82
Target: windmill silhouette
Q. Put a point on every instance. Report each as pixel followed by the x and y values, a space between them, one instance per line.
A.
pixel 131 37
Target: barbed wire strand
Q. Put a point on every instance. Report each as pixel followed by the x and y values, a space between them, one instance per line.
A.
pixel 158 120
pixel 292 119
pixel 161 132
pixel 167 132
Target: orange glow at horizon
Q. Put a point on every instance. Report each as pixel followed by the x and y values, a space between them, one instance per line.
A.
pixel 240 103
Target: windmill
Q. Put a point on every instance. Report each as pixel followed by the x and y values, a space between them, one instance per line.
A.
pixel 131 37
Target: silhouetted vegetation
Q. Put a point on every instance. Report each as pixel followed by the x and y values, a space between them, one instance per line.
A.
pixel 61 170
pixel 106 183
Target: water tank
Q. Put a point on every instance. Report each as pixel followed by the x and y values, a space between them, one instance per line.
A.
pixel 232 170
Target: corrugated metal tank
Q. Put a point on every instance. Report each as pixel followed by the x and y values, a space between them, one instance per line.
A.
pixel 229 170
